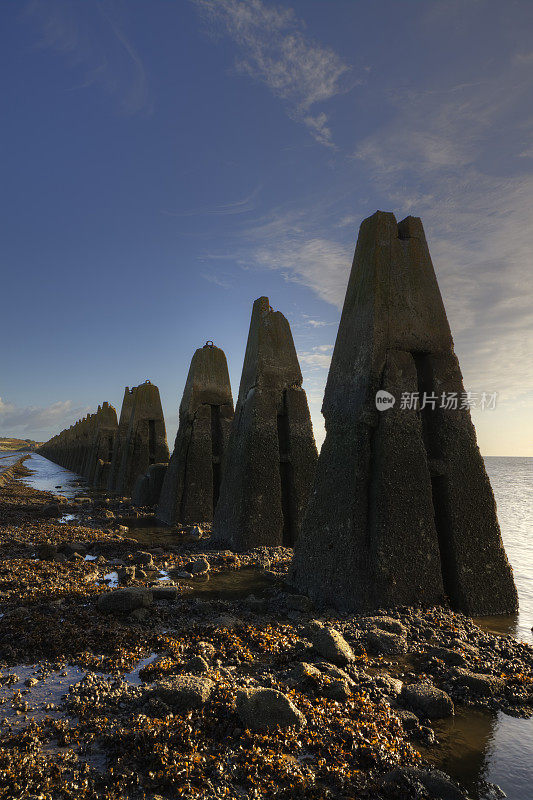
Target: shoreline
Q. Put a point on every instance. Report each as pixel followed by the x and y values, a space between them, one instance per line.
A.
pixel 198 643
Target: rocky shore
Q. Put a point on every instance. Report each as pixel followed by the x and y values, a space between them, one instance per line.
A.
pixel 146 663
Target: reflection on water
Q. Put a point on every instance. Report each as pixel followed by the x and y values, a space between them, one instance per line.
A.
pixel 512 483
pixel 230 585
pixel 47 477
pixel 476 747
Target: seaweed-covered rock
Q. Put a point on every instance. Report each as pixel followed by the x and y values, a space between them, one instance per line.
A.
pixel 125 600
pixel 267 709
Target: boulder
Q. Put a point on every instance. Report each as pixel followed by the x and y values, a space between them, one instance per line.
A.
pixel 383 642
pixel 388 624
pixel 413 781
pixel 198 567
pixel 267 709
pixel 124 600
pixel 143 559
pixel 46 551
pixel 479 683
pixel 329 643
pixel 164 592
pixel 426 700
pixel 183 692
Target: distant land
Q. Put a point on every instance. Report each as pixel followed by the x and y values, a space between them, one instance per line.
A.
pixel 10 443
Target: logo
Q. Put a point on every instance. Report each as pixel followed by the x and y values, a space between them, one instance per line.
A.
pixel 384 400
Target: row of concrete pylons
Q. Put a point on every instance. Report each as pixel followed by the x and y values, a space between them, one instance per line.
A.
pixel 254 467
pixel 111 454
pixel 399 509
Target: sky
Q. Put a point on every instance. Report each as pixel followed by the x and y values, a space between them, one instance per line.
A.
pixel 166 162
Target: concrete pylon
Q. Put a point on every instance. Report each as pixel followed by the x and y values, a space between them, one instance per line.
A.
pixel 192 481
pixel 102 447
pixel 121 437
pixel 146 441
pixel 271 455
pixel 402 511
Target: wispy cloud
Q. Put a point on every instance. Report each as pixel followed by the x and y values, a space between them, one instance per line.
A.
pixel 216 279
pixel 440 158
pixel 318 357
pixel 94 43
pixel 243 206
pixel 315 323
pixel 276 51
pixel 38 420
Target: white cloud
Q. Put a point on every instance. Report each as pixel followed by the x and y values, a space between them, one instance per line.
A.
pixel 275 51
pixel 38 420
pixel 446 148
pixel 217 280
pixel 92 41
pixel 319 357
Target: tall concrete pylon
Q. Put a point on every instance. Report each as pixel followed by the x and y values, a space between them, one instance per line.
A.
pixel 121 437
pixel 402 511
pixel 146 441
pixel 271 455
pixel 101 452
pixel 192 482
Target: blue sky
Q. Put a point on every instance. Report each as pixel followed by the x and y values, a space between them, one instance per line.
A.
pixel 165 163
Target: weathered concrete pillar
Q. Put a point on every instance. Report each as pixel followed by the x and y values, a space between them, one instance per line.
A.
pixel 121 437
pixel 146 441
pixel 271 454
pixel 102 446
pixel 192 481
pixel 402 511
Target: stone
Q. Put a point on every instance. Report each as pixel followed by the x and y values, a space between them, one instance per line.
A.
pixel 337 689
pixel 267 710
pixel 304 672
pixel 145 442
pixel 383 642
pixel 388 624
pixel 334 672
pixel 271 453
pixel 197 665
pixel 183 692
pixel 198 567
pixel 164 593
pixel 329 643
pixel 426 700
pixel 393 686
pixel 46 551
pixel 452 657
pixel 143 558
pixel 192 483
pixel 479 683
pixel 430 783
pixel 402 512
pixel 124 600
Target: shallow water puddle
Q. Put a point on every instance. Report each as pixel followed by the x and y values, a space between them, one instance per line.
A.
pixel 230 584
pixel 133 677
pixel 20 703
pixel 111 579
pixel 476 747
